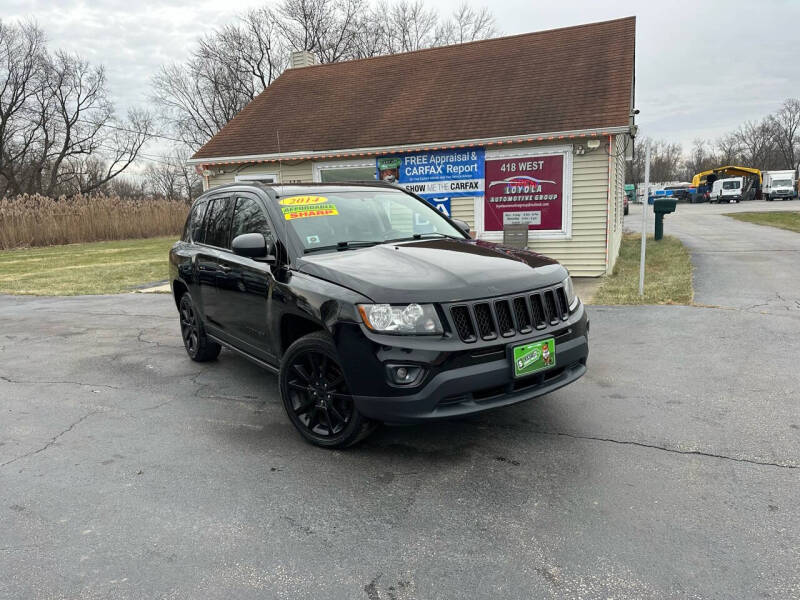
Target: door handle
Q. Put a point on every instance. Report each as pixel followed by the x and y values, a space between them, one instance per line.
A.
pixel 225 268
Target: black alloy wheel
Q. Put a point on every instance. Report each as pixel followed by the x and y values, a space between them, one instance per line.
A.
pixel 319 394
pixel 189 329
pixel 198 346
pixel 316 397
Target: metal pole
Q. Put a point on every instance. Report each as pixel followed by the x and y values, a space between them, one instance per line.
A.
pixel 645 204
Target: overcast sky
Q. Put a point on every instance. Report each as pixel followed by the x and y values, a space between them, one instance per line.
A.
pixel 702 67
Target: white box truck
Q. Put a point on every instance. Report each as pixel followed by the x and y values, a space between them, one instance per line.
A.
pixel 778 185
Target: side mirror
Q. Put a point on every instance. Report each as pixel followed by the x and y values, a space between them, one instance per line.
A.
pixel 462 225
pixel 254 245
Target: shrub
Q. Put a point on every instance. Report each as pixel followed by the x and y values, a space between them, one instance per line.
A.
pixel 33 220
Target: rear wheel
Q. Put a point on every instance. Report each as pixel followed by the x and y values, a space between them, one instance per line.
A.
pixel 198 345
pixel 316 397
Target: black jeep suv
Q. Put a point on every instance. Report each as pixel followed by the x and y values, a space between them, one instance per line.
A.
pixel 371 306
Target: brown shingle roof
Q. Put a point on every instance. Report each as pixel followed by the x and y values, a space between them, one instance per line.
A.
pixel 567 79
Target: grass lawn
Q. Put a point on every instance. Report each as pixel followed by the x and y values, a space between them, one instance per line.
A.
pixel 667 278
pixel 95 268
pixel 785 220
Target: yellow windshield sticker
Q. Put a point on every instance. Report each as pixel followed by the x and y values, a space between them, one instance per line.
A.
pixel 302 212
pixel 303 200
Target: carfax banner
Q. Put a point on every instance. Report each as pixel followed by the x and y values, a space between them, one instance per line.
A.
pixel 439 175
pixel 526 189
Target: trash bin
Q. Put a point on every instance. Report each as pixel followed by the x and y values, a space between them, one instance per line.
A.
pixel 661 207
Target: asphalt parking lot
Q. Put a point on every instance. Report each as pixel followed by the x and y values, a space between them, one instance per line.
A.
pixel 672 470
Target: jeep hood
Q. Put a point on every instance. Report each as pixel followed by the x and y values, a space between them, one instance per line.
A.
pixel 440 270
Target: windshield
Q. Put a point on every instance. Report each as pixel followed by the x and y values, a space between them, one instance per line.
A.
pixel 782 183
pixel 730 185
pixel 331 218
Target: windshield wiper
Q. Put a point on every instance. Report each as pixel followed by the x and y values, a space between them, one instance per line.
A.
pixel 419 236
pixel 349 245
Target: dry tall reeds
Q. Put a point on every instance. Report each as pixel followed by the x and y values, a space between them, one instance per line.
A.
pixel 42 221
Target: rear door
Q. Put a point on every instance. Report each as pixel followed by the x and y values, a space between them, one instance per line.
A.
pixel 244 284
pixel 211 254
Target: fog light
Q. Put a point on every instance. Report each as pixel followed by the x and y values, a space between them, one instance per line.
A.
pixel 405 374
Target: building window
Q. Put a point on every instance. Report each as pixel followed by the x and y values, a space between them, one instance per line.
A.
pixel 358 170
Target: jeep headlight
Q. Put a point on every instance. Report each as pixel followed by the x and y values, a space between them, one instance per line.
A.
pixel 419 319
pixel 569 291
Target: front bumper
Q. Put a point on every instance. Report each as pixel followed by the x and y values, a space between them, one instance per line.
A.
pixel 461 379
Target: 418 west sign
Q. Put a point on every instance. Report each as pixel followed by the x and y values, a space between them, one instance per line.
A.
pixel 524 190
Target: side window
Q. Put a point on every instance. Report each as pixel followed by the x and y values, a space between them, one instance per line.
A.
pixel 218 222
pixel 194 223
pixel 248 218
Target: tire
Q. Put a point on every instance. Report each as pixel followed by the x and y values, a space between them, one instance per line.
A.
pixel 768 198
pixel 199 346
pixel 316 397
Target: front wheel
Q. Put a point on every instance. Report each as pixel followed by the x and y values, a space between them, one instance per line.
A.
pixel 316 397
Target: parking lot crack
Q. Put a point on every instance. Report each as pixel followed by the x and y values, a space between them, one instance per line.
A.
pixel 51 441
pixel 37 381
pixel 780 465
pixel 141 339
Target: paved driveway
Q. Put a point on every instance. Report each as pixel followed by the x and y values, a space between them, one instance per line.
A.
pixel 127 471
pixel 737 264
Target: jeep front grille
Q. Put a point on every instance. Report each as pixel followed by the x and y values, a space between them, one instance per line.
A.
pixel 508 316
pixel 463 323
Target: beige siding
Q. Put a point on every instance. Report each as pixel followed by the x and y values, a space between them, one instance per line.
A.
pixel 463 209
pixel 287 172
pixel 617 166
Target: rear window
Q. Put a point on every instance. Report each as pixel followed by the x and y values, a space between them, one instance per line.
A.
pixel 730 185
pixel 194 223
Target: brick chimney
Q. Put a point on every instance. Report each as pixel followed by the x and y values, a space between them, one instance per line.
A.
pixel 303 58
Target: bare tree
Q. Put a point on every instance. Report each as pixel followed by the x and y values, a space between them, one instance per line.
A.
pixel 56 120
pixel 701 158
pixel 22 50
pixel 231 66
pixel 410 26
pixel 755 143
pixel 785 125
pixel 666 161
pixel 728 149
pixel 223 74
pixel 468 24
pixel 328 28
pixel 172 178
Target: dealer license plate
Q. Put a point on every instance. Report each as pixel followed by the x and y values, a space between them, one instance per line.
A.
pixel 534 357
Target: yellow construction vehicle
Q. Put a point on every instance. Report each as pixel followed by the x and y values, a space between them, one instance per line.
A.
pixel 702 182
